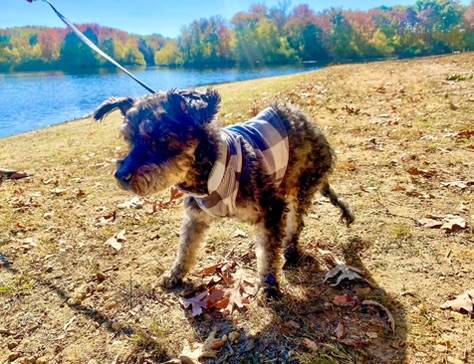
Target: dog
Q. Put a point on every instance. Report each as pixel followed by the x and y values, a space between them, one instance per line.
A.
pixel 264 172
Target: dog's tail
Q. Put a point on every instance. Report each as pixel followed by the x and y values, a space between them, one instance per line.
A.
pixel 347 215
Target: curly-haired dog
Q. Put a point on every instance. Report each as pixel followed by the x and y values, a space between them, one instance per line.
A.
pixel 263 172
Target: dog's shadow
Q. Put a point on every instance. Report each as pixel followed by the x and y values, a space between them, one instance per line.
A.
pixel 314 322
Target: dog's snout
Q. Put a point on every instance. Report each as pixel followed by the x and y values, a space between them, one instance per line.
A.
pixel 123 175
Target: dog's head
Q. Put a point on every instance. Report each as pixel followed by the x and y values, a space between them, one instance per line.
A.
pixel 163 131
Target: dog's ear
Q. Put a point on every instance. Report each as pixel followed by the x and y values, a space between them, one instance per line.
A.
pixel 122 103
pixel 201 107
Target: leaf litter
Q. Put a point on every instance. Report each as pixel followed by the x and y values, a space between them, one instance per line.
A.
pixel 197 353
pixel 228 289
pixel 449 223
pixel 116 241
pixel 463 303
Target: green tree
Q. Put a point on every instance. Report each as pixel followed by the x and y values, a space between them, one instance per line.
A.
pixel 76 55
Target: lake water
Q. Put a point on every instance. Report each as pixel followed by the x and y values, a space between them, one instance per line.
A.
pixel 30 101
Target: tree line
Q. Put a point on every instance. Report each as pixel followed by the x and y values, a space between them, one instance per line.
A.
pixel 260 36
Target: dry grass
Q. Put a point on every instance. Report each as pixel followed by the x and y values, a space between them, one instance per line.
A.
pixel 67 297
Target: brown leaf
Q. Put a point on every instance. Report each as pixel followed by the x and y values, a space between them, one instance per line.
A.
pixel 195 355
pixel 345 300
pixel 465 134
pixel 239 294
pixel 108 219
pixel 384 310
pixel 216 298
pixel 175 193
pixel 464 303
pixel 351 110
pixel 414 171
pixel 197 303
pixel 13 175
pixel 209 271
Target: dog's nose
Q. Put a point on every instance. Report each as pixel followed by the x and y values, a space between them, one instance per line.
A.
pixel 123 176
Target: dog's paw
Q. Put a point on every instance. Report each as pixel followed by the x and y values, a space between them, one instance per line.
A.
pixel 271 294
pixel 170 281
pixel 271 288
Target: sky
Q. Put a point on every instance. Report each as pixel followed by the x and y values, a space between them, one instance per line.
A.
pixel 150 16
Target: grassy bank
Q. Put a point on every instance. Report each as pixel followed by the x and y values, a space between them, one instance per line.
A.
pixel 399 128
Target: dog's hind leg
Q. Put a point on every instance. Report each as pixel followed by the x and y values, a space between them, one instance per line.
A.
pixel 294 225
pixel 298 208
pixel 193 229
pixel 347 215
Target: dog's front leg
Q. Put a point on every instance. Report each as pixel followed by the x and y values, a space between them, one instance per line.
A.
pixel 193 228
pixel 269 263
pixel 269 248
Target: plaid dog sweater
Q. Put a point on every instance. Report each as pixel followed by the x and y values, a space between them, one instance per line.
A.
pixel 268 137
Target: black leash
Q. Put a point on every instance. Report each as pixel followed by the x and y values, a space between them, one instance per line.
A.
pixel 96 49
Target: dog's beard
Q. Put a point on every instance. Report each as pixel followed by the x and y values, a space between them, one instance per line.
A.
pixel 153 178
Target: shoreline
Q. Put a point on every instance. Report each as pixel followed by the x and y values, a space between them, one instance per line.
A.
pixel 322 63
pixel 302 72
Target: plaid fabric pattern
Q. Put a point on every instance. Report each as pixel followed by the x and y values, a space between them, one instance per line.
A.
pixel 268 136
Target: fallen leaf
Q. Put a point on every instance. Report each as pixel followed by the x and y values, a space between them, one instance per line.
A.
pixel 197 303
pixel 120 236
pixel 216 298
pixel 414 171
pixel 465 134
pixel 29 243
pixel 462 185
pixel 351 110
pixel 430 223
pixel 464 303
pixel 342 272
pixel 345 300
pixel 339 332
pixel 114 243
pixel 175 193
pixel 240 292
pixel 329 258
pixel 211 270
pixel 194 355
pixel 453 223
pixel 59 191
pixel 12 175
pixel 383 309
pixel 108 219
pixel 134 203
